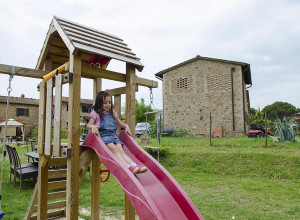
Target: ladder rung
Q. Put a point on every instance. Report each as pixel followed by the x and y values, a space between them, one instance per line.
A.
pixel 56 195
pixel 56 213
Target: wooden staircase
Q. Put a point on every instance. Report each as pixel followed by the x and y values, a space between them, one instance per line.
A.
pixel 57 174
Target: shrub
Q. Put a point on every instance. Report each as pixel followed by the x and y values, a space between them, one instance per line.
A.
pixel 168 131
pixel 34 132
pixel 173 132
pixel 285 129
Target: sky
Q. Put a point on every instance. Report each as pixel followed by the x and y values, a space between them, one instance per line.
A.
pixel 263 33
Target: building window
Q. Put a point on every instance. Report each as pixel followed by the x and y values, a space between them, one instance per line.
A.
pixel 182 85
pixel 22 112
pixel 85 108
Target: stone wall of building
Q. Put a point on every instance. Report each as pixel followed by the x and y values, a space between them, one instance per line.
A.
pixel 29 121
pixel 32 105
pixel 192 91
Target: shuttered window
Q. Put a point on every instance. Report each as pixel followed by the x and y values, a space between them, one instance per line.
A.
pixel 22 112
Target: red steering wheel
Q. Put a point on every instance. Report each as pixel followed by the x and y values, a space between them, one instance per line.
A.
pixel 104 171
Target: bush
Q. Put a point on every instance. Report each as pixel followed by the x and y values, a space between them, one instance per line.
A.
pixel 34 132
pixel 173 132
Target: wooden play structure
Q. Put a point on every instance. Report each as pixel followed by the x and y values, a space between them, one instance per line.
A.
pixel 66 52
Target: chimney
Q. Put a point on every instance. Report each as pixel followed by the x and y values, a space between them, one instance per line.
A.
pixel 22 96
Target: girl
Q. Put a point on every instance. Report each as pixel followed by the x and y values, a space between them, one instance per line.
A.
pixel 103 122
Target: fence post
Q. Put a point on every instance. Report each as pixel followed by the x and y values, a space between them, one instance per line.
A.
pixel 210 128
pixel 266 130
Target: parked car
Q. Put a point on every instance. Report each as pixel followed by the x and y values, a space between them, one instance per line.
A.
pixel 258 131
pixel 141 128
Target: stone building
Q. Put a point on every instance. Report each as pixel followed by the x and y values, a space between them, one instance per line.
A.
pixel 201 86
pixel 26 111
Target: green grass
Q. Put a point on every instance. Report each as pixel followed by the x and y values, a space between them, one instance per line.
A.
pixel 234 177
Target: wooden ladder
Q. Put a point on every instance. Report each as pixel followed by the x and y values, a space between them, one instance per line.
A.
pixel 57 174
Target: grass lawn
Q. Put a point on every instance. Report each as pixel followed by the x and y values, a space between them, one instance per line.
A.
pixel 234 177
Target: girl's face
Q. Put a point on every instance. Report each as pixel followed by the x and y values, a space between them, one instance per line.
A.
pixel 107 103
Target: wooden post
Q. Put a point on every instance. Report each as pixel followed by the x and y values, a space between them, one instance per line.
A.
pixel 117 107
pixel 95 203
pixel 97 88
pixel 42 118
pixel 95 206
pixel 130 120
pixel 57 116
pixel 49 113
pixel 73 138
pixel 42 182
pixel 266 129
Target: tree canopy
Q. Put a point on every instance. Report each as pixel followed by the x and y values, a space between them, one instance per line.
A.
pixel 279 109
pixel 140 109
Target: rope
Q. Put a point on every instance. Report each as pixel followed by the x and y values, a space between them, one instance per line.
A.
pixel 9 89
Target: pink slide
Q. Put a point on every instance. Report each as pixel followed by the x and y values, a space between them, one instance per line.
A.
pixel 154 194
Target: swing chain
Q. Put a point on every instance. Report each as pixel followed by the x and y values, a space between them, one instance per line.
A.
pixel 151 98
pixel 9 89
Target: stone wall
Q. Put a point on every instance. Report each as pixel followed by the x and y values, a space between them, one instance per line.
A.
pixel 192 91
pixel 29 121
pixel 32 105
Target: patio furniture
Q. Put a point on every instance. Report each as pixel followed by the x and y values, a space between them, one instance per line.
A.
pixel 20 171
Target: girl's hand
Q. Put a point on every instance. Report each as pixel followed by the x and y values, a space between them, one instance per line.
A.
pixel 128 131
pixel 95 130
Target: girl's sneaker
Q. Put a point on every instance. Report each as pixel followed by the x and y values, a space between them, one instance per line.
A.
pixel 142 169
pixel 134 169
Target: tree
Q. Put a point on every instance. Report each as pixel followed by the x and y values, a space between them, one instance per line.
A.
pixel 279 109
pixel 141 109
pixel 252 111
pixel 257 118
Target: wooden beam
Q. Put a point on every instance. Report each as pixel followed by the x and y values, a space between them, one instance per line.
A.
pixel 56 195
pixel 42 188
pixel 87 72
pixel 49 114
pixel 130 120
pixel 95 195
pixel 42 118
pixel 117 107
pixel 119 91
pixel 84 163
pixel 93 73
pixel 32 202
pixel 22 71
pixel 57 116
pixel 73 138
pixel 146 82
pixel 97 87
pixel 43 168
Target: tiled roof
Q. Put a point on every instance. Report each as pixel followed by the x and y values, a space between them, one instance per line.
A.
pixel 65 37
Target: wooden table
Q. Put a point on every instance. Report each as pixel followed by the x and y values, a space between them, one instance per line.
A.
pixel 33 155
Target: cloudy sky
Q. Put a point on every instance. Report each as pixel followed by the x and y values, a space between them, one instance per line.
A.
pixel 263 33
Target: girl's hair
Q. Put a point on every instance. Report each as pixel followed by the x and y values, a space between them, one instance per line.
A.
pixel 99 103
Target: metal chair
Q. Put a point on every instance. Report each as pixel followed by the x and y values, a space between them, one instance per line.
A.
pixel 20 171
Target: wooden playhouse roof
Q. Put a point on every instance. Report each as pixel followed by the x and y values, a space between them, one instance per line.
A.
pixel 65 37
